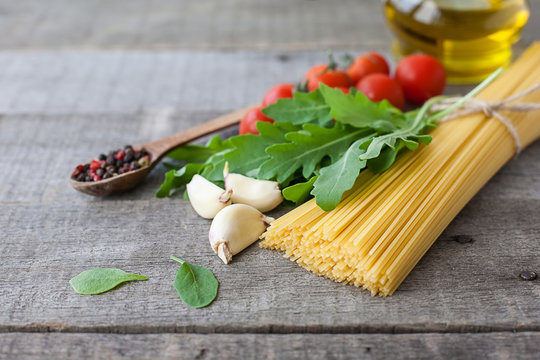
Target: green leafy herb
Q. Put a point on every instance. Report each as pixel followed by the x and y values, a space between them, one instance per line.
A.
pixel 300 192
pixel 304 147
pixel 198 153
pixel 100 280
pixel 357 110
pixel 302 108
pixel 248 163
pixel 196 285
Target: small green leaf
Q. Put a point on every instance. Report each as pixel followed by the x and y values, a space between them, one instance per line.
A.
pixel 299 193
pixel 196 285
pixel 384 160
pixel 339 177
pixel 357 110
pixel 306 150
pixel 100 280
pixel 302 108
pixel 198 153
pixel 176 178
pixel 248 162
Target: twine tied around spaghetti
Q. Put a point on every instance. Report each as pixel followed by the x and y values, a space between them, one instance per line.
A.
pixel 490 109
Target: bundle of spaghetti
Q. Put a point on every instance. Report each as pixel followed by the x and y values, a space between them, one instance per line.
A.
pixel 386 222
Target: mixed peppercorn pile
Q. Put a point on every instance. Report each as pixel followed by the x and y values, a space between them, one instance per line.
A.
pixel 116 162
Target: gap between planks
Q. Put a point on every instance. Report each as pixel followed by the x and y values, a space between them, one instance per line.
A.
pixel 273 329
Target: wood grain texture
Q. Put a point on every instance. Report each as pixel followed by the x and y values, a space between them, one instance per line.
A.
pixel 252 346
pixel 51 233
pixel 202 24
pixel 81 77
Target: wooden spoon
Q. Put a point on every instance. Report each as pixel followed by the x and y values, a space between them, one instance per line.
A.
pixel 157 149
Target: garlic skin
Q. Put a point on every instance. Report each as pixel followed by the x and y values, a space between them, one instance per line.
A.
pixel 206 197
pixel 263 195
pixel 234 228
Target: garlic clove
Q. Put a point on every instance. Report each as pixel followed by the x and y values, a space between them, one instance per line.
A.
pixel 206 197
pixel 263 195
pixel 234 228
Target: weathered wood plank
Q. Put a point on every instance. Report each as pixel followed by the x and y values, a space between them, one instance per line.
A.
pixel 202 24
pixel 251 346
pixel 50 233
pixel 154 83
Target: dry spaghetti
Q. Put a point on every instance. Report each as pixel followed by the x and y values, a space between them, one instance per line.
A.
pixel 386 222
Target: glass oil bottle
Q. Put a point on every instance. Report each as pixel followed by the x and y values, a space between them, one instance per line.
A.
pixel 471 38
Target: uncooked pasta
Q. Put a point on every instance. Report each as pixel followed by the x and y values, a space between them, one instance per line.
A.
pixel 386 222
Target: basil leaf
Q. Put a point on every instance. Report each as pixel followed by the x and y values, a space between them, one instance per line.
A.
pixel 196 285
pixel 100 280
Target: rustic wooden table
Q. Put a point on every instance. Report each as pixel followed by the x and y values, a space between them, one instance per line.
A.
pixel 80 77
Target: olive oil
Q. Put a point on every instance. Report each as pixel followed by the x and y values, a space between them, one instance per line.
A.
pixel 472 38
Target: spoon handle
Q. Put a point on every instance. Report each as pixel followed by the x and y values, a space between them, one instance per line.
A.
pixel 159 148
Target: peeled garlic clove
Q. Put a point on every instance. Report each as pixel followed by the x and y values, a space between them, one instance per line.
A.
pixel 206 197
pixel 263 195
pixel 234 228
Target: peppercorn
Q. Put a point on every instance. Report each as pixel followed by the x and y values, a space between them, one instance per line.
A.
pixel 528 275
pixel 108 165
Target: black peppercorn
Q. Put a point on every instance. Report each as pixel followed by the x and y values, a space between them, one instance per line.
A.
pixel 528 275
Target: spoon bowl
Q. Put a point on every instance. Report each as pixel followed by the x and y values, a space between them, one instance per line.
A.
pixel 157 150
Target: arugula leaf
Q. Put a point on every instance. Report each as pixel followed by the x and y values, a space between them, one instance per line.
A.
pixel 176 178
pixel 100 280
pixel 306 150
pixel 199 153
pixel 339 177
pixel 357 110
pixel 299 193
pixel 366 134
pixel 385 159
pixel 302 108
pixel 196 285
pixel 248 162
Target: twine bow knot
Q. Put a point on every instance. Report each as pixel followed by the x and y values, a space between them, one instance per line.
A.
pixel 491 109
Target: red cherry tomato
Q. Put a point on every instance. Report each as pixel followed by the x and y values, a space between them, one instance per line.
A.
pixel 332 78
pixel 344 89
pixel 247 124
pixel 369 63
pixel 317 69
pixel 279 91
pixel 421 77
pixel 378 87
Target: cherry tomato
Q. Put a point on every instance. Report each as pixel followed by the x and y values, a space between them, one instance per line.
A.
pixel 247 124
pixel 279 91
pixel 378 87
pixel 421 77
pixel 369 63
pixel 344 89
pixel 332 78
pixel 317 69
